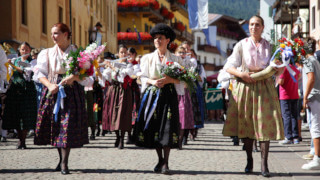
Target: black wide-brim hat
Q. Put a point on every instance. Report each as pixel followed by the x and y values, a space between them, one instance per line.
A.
pixel 163 29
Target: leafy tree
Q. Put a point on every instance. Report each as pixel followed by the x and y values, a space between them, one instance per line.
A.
pixel 241 9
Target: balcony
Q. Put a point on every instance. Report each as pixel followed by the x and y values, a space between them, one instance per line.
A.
pixel 177 5
pixel 208 48
pixel 151 12
pixel 131 38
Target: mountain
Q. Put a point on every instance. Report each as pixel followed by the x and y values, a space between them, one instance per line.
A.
pixel 240 9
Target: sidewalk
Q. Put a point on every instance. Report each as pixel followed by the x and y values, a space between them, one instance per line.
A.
pixel 211 156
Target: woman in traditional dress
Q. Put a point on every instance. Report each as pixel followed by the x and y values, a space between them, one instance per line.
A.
pixel 254 109
pixel 198 97
pixel 117 106
pixel 20 111
pixel 70 130
pixel 185 104
pixel 157 125
pixel 132 53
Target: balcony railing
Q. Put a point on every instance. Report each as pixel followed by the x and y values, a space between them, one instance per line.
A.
pixel 147 12
pixel 208 48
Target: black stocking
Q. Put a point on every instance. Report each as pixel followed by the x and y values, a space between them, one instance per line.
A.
pixel 65 158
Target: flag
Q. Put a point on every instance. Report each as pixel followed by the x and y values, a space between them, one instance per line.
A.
pixel 198 14
pixel 138 34
pixel 211 35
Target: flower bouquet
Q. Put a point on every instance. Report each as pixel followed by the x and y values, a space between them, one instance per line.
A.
pixel 82 62
pixel 285 52
pixel 176 71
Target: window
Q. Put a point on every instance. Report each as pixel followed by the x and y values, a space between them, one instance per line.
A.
pixel 270 11
pixel 44 16
pixel 24 12
pixel 60 14
pixel 199 58
pixel 214 60
pixel 101 9
pixel 86 37
pixel 198 40
pixel 80 39
pixel 313 18
pixel 114 23
pixel 107 15
pixel 97 8
pixel 74 31
pixel 119 27
pixel 205 59
pixel 111 21
pixel 146 28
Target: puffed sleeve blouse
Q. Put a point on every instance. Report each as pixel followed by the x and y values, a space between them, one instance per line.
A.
pixel 151 68
pixel 118 74
pixel 56 59
pixel 254 57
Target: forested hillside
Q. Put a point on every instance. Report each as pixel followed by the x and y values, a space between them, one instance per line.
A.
pixel 243 9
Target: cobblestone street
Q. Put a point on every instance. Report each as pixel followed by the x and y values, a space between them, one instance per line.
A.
pixel 211 156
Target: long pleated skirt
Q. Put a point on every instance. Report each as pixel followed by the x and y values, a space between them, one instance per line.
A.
pixel 71 128
pixel 254 112
pixel 117 108
pixel 20 111
pixel 185 111
pixel 158 128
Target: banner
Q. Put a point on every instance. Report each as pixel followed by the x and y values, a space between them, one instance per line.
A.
pixel 214 99
pixel 198 14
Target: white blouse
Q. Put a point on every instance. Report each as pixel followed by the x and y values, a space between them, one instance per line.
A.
pixel 121 71
pixel 254 57
pixel 56 59
pixel 151 69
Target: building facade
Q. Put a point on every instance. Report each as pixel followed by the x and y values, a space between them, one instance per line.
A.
pixel 31 21
pixel 266 12
pixel 214 55
pixel 315 19
pixel 141 15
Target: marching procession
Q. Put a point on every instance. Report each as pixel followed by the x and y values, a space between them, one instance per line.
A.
pixel 66 96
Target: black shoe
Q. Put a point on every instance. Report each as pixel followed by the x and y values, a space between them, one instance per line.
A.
pixel 157 169
pixel 165 170
pixel 121 144
pixel 249 166
pixel 98 133
pixel 185 141
pixel 265 173
pixel 65 172
pixel 23 146
pixel 103 133
pixel 58 168
pixel 92 137
pixel 116 144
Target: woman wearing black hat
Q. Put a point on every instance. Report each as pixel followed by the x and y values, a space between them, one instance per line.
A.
pixel 157 125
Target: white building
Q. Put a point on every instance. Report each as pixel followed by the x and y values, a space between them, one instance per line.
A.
pixel 266 12
pixel 213 56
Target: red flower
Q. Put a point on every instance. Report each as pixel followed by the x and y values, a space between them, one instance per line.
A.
pixel 300 42
pixel 303 52
pixel 294 52
pixel 167 63
pixel 284 39
pixel 296 40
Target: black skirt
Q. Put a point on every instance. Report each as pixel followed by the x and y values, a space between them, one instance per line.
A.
pixel 162 129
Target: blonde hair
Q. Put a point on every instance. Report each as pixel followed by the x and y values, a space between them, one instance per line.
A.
pixel 180 48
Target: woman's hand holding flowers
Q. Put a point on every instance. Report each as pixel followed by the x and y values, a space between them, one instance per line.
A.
pixel 53 88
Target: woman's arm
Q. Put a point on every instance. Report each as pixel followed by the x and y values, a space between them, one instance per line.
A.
pixel 245 76
pixel 53 88
pixel 309 86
